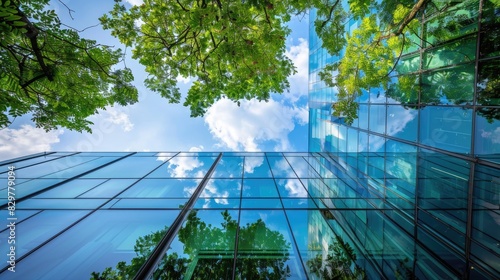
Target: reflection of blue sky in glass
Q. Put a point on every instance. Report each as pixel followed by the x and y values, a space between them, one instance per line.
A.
pixel 183 167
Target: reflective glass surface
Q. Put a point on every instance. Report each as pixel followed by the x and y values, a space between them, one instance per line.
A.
pixel 86 247
pixel 447 128
pixel 383 208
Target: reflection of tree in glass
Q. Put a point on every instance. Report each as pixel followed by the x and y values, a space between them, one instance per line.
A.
pixel 338 262
pixel 262 253
pixel 404 272
pixel 388 29
pixel 488 90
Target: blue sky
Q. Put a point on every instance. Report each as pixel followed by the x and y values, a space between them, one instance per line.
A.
pixel 153 124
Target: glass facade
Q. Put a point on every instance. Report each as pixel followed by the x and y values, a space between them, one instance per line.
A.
pixel 174 216
pixel 420 166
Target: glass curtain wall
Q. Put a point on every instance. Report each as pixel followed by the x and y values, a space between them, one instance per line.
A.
pixel 419 169
pixel 215 215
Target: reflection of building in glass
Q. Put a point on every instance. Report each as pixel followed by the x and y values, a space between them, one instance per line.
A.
pixel 419 170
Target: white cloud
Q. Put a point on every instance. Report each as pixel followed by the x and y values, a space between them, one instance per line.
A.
pixel 118 117
pixel 183 80
pixel 135 2
pixel 493 135
pixel 244 127
pixel 26 140
pixel 196 149
pixel 299 54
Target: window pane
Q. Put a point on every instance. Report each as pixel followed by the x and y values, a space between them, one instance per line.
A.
pixel 257 188
pixel 487 140
pixel 203 247
pixel 449 86
pixel 490 30
pixel 257 167
pixel 229 167
pixel 265 251
pixel 463 50
pixel 281 168
pixel 403 89
pixel 488 86
pixel 87 248
pixel 402 122
pixel 131 167
pixel 108 189
pixel 184 167
pixel 161 188
pixel 446 128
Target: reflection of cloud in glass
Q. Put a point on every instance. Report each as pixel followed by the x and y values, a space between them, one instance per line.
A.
pixel 164 156
pixel 219 196
pixel 281 168
pixel 180 166
pixel 493 135
pixel 294 188
pixel 398 119
pixel 252 162
pixel 402 168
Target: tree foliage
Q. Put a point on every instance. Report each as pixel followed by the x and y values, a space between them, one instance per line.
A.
pixel 230 49
pixel 213 248
pixel 53 73
pixel 233 49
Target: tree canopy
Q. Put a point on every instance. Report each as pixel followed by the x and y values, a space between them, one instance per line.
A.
pixel 54 74
pixel 233 49
pixel 230 49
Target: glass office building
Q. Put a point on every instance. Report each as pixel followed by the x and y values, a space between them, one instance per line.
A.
pixel 424 157
pixel 172 215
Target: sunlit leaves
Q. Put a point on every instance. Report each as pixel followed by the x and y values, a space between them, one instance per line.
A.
pixel 233 49
pixel 52 73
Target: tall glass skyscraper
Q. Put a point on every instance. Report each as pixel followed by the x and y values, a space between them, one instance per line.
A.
pixel 424 158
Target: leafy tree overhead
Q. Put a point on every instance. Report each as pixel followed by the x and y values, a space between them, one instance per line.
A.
pixel 231 49
pixel 234 49
pixel 48 70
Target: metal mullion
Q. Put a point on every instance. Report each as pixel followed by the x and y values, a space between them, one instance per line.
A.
pixel 307 191
pixel 236 238
pixel 286 216
pixel 77 221
pixel 66 180
pixel 147 269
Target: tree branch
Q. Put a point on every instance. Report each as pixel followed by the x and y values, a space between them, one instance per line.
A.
pixel 27 83
pixel 182 7
pixel 410 16
pixel 32 33
pixel 330 14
